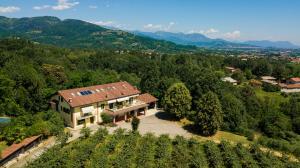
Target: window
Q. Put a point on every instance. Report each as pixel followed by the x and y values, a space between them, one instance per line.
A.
pixel 66 110
pixel 80 122
pixel 131 100
pixel 111 105
pixel 102 106
pixel 61 99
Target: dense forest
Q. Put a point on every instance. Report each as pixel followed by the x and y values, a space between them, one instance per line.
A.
pixel 31 73
pixel 129 149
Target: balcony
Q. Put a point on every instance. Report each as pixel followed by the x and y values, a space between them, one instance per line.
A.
pixel 121 110
pixel 84 116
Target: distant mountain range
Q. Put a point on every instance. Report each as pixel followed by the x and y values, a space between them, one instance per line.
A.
pixel 80 34
pixel 274 44
pixel 201 40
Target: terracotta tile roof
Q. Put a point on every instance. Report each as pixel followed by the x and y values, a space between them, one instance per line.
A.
pixel 15 147
pixel 293 86
pixel 267 78
pixel 296 79
pixel 147 98
pixel 99 93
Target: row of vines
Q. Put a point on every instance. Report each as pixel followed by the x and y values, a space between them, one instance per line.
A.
pixel 131 150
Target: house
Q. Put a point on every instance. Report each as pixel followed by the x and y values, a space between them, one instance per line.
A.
pixel 292 85
pixel 295 80
pixel 269 79
pixel 231 69
pixel 230 80
pixel 290 88
pixel 84 106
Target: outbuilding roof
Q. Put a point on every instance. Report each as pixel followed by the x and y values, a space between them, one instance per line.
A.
pixel 296 79
pixel 147 98
pixel 92 94
pixel 15 147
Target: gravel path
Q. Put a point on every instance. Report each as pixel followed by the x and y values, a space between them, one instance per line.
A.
pixel 157 124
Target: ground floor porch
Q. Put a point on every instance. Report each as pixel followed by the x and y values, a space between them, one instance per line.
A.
pixel 127 113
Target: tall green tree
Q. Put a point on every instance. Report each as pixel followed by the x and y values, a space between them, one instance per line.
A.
pixel 177 100
pixel 233 112
pixel 208 116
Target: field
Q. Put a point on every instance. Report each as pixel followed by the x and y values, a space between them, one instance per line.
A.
pixel 126 149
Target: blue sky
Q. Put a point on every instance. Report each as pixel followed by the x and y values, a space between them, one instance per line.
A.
pixel 235 20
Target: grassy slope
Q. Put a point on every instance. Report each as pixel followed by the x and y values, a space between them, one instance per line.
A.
pixel 275 96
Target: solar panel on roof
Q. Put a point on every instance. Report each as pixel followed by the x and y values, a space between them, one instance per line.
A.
pixel 86 92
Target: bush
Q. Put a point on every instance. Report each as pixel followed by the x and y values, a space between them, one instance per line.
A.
pixel 135 123
pixel 106 118
pixel 85 132
pixel 270 88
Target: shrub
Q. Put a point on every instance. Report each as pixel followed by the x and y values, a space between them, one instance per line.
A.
pixel 135 123
pixel 106 118
pixel 85 132
pixel 270 88
pixel 213 155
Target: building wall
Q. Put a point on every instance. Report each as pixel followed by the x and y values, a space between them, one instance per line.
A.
pixel 78 113
pixel 65 116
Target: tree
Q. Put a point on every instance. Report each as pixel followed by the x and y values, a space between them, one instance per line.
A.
pixel 233 112
pixel 150 78
pixel 177 100
pixel 208 116
pixel 239 76
pixel 135 123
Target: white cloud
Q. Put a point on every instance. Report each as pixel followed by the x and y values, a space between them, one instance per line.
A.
pixel 151 26
pixel 205 32
pixel 93 7
pixel 61 5
pixel 233 35
pixel 9 9
pixel 159 27
pixel 104 23
pixel 41 7
pixel 111 24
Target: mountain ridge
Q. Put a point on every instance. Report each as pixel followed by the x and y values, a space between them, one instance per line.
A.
pixel 201 40
pixel 75 33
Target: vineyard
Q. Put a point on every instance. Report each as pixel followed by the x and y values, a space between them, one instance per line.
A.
pixel 125 150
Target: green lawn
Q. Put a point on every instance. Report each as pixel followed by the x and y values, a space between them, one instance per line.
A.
pixel 223 135
pixel 275 96
pixel 2 146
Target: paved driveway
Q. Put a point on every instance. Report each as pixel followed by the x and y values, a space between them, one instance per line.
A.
pixel 158 124
pixel 154 122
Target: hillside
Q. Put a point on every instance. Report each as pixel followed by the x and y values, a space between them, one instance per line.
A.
pixel 123 149
pixel 80 34
pixel 196 39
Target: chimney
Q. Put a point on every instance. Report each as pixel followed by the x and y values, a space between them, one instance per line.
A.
pixel 70 100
